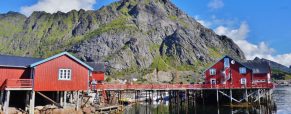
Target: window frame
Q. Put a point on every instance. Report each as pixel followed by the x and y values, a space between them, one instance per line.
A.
pixel 212 71
pixel 226 62
pixel 242 69
pixel 65 74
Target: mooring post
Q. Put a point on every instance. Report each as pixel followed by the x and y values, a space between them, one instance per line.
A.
pixel 6 103
pixel 32 101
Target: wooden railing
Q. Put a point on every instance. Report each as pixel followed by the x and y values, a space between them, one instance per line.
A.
pixel 18 83
pixel 179 86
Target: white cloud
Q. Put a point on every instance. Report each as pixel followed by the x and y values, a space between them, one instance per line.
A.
pixel 202 22
pixel 262 50
pixel 215 4
pixel 52 6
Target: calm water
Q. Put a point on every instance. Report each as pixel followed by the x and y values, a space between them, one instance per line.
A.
pixel 281 96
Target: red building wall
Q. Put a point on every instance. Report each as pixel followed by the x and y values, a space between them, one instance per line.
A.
pixel 46 75
pixel 235 75
pixel 12 73
pixel 98 76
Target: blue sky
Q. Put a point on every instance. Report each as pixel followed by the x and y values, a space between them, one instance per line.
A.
pixel 260 28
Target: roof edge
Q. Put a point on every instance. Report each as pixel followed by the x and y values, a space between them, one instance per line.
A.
pixel 10 66
pixel 58 55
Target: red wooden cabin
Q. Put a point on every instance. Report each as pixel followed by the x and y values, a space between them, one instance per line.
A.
pixel 231 72
pixel 61 73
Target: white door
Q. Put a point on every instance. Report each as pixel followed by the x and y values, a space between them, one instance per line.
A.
pixel 243 81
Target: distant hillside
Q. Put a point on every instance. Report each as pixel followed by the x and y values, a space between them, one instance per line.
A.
pixel 135 37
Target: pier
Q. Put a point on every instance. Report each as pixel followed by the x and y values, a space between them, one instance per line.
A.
pixel 226 94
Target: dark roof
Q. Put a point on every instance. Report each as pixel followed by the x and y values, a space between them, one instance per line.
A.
pixel 16 61
pixel 258 67
pixel 97 67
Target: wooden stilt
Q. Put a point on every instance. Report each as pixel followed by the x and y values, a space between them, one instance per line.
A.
pixel 62 98
pixel 6 103
pixel 217 98
pixel 246 94
pixel 32 101
pixel 230 92
pixel 202 97
pixel 71 97
pixel 65 99
pixel 259 95
pixel 27 101
pixel 1 97
pixel 58 96
pixel 77 103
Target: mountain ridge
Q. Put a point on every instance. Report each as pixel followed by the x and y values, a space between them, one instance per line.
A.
pixel 135 37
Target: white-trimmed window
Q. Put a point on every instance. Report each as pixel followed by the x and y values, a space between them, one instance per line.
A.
pixel 242 70
pixel 212 71
pixel 226 63
pixel 65 74
pixel 243 81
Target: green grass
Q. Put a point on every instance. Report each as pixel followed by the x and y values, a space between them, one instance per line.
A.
pixel 214 53
pixel 173 17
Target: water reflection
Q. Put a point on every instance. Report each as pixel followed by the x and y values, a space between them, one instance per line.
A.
pixel 191 108
pixel 281 97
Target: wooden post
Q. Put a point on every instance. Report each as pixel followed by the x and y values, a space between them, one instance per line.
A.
pixel 62 98
pixel 246 94
pixel 6 103
pixel 1 97
pixel 217 98
pixel 77 103
pixel 27 101
pixel 259 97
pixel 58 96
pixel 230 92
pixel 65 99
pixel 32 101
pixel 71 97
pixel 202 97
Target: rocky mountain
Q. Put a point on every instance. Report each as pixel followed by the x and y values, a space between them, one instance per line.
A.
pixel 135 37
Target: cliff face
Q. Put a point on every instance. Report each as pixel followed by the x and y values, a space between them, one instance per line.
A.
pixel 133 36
